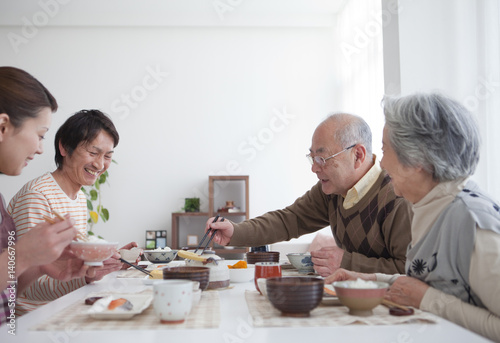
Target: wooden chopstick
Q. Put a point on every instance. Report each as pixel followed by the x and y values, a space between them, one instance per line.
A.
pixel 58 215
pixel 49 220
pixel 389 303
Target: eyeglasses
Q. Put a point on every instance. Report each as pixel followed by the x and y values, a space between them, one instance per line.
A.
pixel 321 161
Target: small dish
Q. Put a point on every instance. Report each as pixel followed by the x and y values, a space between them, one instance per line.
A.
pixel 238 275
pixel 130 255
pixel 99 310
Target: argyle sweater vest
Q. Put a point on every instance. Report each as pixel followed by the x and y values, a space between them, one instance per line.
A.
pixel 359 228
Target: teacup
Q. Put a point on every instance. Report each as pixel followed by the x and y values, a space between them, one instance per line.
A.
pixel 172 300
pixel 130 255
pixel 266 270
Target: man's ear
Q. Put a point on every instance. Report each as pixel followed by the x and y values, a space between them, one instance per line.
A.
pixel 359 155
pixel 62 150
pixel 5 125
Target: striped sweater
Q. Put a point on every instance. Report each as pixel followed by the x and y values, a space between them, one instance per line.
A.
pixel 38 198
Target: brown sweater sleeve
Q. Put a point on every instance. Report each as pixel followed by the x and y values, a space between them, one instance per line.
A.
pixel 307 214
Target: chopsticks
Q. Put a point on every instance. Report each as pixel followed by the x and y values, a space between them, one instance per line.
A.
pixel 206 234
pixel 60 217
pixel 389 303
pixel 136 267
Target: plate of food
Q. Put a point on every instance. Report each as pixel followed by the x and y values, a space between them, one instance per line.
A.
pixel 330 297
pixel 118 306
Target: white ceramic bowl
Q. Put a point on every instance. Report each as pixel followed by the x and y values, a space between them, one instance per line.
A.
pixel 301 261
pixel 93 253
pixel 237 275
pixel 156 256
pixel 130 255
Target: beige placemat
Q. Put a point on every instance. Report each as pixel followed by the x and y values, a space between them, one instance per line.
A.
pixel 204 315
pixel 264 314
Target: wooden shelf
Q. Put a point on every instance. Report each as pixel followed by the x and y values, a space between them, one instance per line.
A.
pixel 220 190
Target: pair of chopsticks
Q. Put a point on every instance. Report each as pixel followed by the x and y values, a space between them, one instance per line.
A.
pixel 206 234
pixel 136 267
pixel 389 304
pixel 60 217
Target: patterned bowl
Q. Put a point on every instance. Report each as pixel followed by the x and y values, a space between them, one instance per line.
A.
pixel 301 261
pixel 200 274
pixel 157 256
pixel 93 253
pixel 262 256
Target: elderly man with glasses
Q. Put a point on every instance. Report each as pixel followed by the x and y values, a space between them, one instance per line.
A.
pixel 370 224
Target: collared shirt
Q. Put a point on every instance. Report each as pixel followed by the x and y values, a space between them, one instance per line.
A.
pixel 429 208
pixel 359 190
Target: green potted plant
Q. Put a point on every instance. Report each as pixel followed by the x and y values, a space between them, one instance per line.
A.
pixel 94 202
pixel 192 205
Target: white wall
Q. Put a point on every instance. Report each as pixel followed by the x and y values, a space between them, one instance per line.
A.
pixel 224 86
pixel 454 46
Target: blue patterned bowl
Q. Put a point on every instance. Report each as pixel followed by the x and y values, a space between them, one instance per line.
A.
pixel 156 256
pixel 301 261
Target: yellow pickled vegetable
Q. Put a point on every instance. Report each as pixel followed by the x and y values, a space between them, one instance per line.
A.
pixel 239 265
pixel 156 274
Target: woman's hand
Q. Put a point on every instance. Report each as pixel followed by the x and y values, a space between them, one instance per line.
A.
pixel 407 291
pixel 66 267
pixel 44 243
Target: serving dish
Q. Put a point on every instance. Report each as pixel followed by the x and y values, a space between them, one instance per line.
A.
pixel 99 310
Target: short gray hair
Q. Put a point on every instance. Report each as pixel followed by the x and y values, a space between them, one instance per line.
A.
pixel 434 132
pixel 351 130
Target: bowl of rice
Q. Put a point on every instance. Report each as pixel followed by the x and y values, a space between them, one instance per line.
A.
pixel 360 296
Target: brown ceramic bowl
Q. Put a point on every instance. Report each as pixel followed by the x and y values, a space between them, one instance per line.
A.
pixel 360 301
pixel 295 296
pixel 200 274
pixel 262 256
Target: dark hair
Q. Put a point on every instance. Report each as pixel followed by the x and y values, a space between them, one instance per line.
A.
pixel 82 127
pixel 22 96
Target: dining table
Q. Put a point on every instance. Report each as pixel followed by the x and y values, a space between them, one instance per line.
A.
pixel 237 313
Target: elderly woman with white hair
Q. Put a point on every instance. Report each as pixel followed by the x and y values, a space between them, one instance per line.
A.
pixel 431 147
